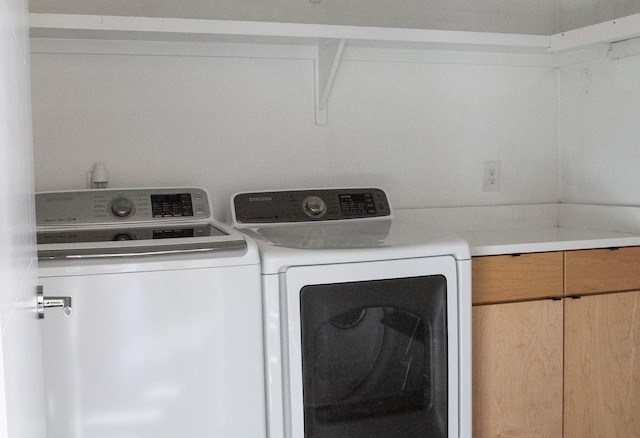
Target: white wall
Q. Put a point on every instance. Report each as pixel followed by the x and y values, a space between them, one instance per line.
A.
pixel 600 132
pixel 420 130
pixel 21 390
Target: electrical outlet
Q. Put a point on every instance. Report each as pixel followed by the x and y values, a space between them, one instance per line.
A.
pixel 491 176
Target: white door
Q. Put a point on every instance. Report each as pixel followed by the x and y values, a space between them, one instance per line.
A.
pixel 21 389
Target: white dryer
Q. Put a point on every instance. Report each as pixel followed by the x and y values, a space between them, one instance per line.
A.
pixel 367 318
pixel 160 335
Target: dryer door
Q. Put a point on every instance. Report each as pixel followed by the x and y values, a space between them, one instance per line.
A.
pixel 373 349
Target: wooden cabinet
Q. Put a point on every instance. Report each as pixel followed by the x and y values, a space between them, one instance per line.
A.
pixel 557 367
pixel 517 277
pixel 517 369
pixel 518 345
pixel 602 363
pixel 602 270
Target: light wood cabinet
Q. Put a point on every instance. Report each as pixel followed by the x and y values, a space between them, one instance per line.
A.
pixel 602 363
pixel 517 277
pixel 563 367
pixel 602 270
pixel 517 369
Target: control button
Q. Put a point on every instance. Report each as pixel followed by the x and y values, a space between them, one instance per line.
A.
pixel 123 236
pixel 122 207
pixel 314 207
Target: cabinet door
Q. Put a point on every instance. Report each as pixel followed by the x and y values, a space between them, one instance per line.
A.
pixel 517 369
pixel 602 366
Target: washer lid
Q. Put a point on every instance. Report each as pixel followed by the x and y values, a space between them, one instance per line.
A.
pixel 69 243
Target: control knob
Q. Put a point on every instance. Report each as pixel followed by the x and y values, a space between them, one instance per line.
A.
pixel 120 237
pixel 314 206
pixel 121 207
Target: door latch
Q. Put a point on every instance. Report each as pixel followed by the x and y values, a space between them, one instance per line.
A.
pixel 44 302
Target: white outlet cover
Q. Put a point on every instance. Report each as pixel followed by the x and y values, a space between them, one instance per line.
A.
pixel 491 176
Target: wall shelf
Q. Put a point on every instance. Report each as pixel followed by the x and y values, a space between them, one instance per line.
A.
pixel 327 45
pixel 175 29
pixel 597 35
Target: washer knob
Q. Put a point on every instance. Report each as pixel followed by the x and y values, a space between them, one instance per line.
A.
pixel 121 237
pixel 314 206
pixel 121 207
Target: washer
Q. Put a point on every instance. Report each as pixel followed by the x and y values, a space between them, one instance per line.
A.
pixel 367 317
pixel 160 331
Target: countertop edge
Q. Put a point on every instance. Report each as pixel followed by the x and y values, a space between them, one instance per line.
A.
pixel 488 249
pixel 515 229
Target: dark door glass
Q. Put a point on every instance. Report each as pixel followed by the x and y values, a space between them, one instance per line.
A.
pixel 374 358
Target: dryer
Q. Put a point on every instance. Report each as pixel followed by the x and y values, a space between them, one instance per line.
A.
pixel 367 317
pixel 161 330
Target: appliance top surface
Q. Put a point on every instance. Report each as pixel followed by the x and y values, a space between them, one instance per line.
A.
pixel 317 242
pixel 114 223
pixel 394 238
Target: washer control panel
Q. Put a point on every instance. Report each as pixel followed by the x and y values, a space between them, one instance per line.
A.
pixel 105 206
pixel 309 205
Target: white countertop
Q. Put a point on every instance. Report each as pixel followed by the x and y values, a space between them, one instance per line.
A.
pixel 493 242
pixel 516 229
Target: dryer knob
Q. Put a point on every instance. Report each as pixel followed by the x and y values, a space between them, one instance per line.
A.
pixel 314 206
pixel 122 207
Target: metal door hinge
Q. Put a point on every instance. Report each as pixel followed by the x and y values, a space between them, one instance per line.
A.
pixel 44 302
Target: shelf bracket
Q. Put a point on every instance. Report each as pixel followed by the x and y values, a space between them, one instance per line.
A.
pixel 326 65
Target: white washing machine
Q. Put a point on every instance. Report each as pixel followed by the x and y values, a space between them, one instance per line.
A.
pixel 367 318
pixel 159 334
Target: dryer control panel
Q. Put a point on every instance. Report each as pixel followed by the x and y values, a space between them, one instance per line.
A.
pixel 286 206
pixel 106 206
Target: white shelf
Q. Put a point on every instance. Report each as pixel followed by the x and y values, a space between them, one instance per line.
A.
pixel 327 45
pixel 597 35
pixel 327 42
pixel 175 29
